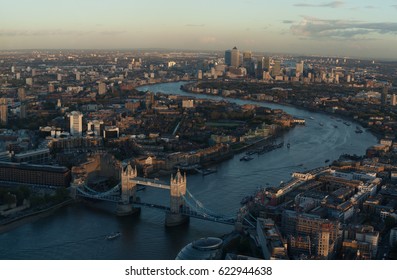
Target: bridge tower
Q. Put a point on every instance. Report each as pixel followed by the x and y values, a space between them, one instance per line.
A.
pixel 128 191
pixel 177 191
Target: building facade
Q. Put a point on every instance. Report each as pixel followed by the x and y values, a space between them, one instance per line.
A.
pixel 76 123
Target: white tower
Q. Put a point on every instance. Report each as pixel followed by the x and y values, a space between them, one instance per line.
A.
pixel 128 187
pixel 76 123
pixel 178 189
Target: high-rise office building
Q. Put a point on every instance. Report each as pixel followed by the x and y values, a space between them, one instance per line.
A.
pixel 259 68
pixel 235 57
pixel 3 111
pixel 260 63
pixel 266 63
pixel 247 58
pixel 76 123
pixel 299 68
pixel 228 57
pixel 276 68
pixel 384 95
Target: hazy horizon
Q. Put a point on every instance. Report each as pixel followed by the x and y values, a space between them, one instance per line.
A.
pixel 351 28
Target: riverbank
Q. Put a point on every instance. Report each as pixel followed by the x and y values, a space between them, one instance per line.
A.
pixel 31 217
pixel 376 133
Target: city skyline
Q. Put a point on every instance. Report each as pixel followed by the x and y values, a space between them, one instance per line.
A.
pixel 335 28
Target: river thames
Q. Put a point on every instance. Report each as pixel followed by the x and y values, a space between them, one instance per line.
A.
pixel 78 231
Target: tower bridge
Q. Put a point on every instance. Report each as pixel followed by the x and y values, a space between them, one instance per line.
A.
pixel 182 206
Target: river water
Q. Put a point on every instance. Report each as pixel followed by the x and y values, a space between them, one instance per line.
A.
pixel 78 231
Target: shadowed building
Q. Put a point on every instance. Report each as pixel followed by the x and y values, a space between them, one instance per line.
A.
pixel 235 57
pixel 3 111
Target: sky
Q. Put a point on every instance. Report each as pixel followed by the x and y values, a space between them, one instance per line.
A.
pixel 346 28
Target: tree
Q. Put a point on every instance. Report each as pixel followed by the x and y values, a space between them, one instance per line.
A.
pixel 9 199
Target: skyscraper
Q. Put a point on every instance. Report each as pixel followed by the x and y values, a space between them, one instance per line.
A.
pixel 235 59
pixel 266 63
pixel 276 68
pixel 3 111
pixel 76 123
pixel 259 68
pixel 247 58
pixel 228 57
pixel 299 69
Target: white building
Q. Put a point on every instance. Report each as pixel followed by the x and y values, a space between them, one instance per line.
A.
pixel 76 123
pixel 96 127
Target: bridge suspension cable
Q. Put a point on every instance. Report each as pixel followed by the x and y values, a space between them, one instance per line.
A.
pixel 200 208
pixel 96 194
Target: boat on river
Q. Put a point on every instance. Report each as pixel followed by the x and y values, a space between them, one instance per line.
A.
pixel 246 158
pixel 113 235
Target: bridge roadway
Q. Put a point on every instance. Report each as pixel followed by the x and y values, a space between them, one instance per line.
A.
pixel 150 183
pixel 111 198
pixel 190 213
pixel 158 184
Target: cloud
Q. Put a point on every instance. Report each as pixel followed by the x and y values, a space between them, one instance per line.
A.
pixel 194 25
pixel 48 32
pixel 315 28
pixel 207 40
pixel 288 21
pixel 333 4
pixel 394 6
pixel 111 33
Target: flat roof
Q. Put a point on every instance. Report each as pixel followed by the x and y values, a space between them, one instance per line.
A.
pixel 37 167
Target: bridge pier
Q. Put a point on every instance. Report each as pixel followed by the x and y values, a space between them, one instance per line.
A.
pixel 175 219
pixel 126 209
